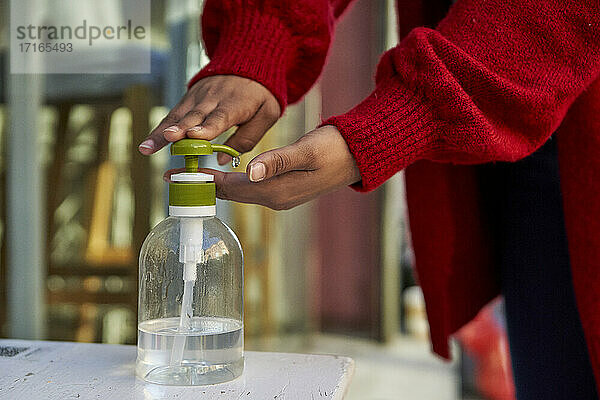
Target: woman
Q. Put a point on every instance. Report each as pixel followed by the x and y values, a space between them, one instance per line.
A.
pixel 492 83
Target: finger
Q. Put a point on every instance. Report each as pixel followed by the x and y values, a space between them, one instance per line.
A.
pixel 190 124
pixel 279 193
pixel 223 117
pixel 298 156
pixel 157 140
pixel 249 134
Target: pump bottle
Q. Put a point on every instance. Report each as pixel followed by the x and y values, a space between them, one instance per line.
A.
pixel 190 305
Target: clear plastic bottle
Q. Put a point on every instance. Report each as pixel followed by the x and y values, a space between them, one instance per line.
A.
pixel 190 309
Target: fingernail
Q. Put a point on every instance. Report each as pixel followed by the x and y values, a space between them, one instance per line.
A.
pixel 257 172
pixel 223 158
pixel 194 130
pixel 146 145
pixel 171 129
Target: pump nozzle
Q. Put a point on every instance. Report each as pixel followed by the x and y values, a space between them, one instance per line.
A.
pixel 193 148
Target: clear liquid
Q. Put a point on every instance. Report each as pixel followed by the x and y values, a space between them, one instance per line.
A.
pixel 213 351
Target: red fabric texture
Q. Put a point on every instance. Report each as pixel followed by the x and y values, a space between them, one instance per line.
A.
pixel 578 141
pixel 491 83
pixel 454 259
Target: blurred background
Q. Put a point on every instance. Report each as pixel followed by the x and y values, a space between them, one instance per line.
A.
pixel 332 276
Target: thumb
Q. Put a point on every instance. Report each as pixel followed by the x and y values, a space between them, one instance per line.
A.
pixel 294 157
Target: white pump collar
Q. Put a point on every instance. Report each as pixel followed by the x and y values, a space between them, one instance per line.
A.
pixel 192 177
pixel 192 211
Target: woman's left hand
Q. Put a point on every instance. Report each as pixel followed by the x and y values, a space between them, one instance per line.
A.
pixel 318 162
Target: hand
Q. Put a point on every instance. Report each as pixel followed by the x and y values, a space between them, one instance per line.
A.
pixel 280 179
pixel 213 105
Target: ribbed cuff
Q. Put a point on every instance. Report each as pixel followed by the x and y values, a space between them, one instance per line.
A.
pixel 388 131
pixel 254 46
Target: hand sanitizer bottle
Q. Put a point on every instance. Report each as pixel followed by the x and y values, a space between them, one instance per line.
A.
pixel 190 305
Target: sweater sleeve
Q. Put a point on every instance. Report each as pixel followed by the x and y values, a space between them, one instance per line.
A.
pixel 281 44
pixel 491 83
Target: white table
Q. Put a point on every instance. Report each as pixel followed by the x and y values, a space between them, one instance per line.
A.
pixel 33 370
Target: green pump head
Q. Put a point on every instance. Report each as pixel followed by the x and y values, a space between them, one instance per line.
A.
pixel 193 148
pixel 192 193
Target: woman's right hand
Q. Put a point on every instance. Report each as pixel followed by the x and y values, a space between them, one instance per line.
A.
pixel 212 106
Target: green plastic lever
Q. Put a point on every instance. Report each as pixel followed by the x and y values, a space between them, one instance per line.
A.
pixel 193 148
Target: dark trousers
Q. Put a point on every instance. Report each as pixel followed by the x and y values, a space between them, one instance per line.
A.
pixel 548 350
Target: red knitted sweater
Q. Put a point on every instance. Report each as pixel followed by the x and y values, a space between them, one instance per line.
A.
pixel 491 83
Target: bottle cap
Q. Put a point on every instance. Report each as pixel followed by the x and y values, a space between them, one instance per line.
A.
pixel 192 193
